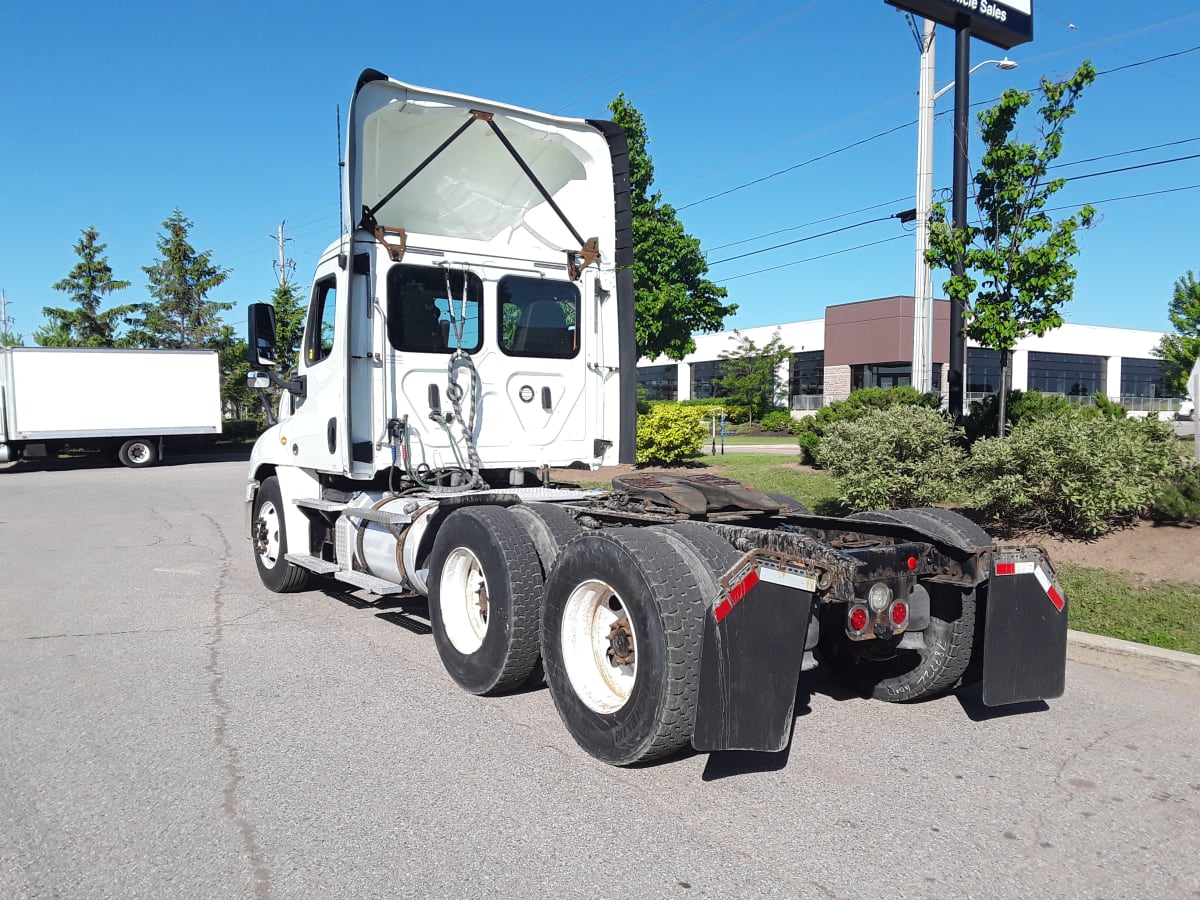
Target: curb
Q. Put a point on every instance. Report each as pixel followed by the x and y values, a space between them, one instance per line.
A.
pixel 1154 662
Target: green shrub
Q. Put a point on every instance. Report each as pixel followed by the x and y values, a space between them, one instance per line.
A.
pixel 776 420
pixel 1074 472
pixel 810 429
pixel 669 433
pixel 984 417
pixel 893 457
pixel 1178 500
pixel 241 429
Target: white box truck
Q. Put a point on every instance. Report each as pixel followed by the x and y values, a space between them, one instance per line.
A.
pixel 122 401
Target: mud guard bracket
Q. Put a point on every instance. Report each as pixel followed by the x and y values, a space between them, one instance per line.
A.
pixel 750 664
pixel 1025 637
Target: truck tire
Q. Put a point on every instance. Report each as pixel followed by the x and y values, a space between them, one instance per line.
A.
pixel 549 526
pixel 269 534
pixel 901 676
pixel 485 592
pixel 941 524
pixel 138 453
pixel 622 633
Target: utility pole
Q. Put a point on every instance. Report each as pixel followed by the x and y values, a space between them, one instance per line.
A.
pixel 284 266
pixel 4 319
pixel 922 359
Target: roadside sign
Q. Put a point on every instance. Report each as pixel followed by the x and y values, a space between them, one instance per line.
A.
pixel 1004 23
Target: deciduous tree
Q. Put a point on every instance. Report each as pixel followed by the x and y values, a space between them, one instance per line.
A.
pixel 749 372
pixel 674 298
pixel 1180 350
pixel 1017 260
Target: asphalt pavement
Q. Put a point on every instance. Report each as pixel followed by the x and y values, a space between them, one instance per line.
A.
pixel 169 728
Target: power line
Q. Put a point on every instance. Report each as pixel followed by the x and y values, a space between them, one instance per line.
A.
pixel 1146 62
pixel 727 47
pixel 1149 165
pixel 890 131
pixel 807 224
pixel 674 46
pixel 799 165
pixel 813 258
pixel 811 237
pixel 1175 190
pixel 628 53
pixel 1080 162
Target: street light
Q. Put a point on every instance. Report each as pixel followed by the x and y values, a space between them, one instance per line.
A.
pixel 922 359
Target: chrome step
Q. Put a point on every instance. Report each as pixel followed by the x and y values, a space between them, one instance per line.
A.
pixel 312 563
pixel 319 505
pixel 371 583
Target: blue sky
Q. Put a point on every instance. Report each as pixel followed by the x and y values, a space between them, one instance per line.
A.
pixel 115 114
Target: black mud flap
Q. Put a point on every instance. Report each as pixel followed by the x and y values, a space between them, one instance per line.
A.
pixel 1025 639
pixel 753 650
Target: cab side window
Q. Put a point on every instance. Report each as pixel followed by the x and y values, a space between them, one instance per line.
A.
pixel 322 315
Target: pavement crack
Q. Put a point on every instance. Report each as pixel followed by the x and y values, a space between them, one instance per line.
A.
pixel 223 708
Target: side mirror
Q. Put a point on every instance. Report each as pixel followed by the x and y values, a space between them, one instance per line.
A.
pixel 261 334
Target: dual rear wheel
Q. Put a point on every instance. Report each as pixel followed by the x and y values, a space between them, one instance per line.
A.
pixel 615 616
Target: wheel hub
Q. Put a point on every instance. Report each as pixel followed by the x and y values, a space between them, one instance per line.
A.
pixel 620 643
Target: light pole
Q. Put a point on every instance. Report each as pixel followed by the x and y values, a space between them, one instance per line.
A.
pixel 922 359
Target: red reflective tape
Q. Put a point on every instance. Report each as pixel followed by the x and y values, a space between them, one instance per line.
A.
pixel 721 610
pixel 740 590
pixel 1056 598
pixel 1006 568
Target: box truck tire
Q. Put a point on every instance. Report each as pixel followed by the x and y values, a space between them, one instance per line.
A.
pixel 138 453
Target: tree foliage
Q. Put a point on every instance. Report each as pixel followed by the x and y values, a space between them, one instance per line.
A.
pixel 748 372
pixel 290 313
pixel 674 298
pixel 180 280
pixel 1180 350
pixel 86 284
pixel 1016 262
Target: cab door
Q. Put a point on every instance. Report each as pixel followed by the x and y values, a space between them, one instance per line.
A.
pixel 315 432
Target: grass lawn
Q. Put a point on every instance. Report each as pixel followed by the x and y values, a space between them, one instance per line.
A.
pixel 736 439
pixel 1123 605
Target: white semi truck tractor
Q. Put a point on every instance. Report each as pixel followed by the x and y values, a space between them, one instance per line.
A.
pixel 474 327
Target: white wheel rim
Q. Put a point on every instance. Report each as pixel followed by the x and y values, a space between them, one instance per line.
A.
pixel 268 534
pixel 139 453
pixel 591 612
pixel 464 600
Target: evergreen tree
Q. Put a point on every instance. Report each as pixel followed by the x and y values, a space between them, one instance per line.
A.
pixel 290 310
pixel 672 293
pixel 180 280
pixel 87 284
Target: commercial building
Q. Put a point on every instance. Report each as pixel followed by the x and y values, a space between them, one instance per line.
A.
pixel 869 344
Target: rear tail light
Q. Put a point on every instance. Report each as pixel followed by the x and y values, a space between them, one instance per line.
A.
pixel 899 613
pixel 857 619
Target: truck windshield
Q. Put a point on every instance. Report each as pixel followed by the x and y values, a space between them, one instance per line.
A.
pixel 422 319
pixel 538 317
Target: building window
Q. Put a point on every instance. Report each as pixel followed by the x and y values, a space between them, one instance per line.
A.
pixel 659 382
pixel 983 371
pixel 1074 375
pixel 706 377
pixel 808 373
pixel 880 375
pixel 1142 378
